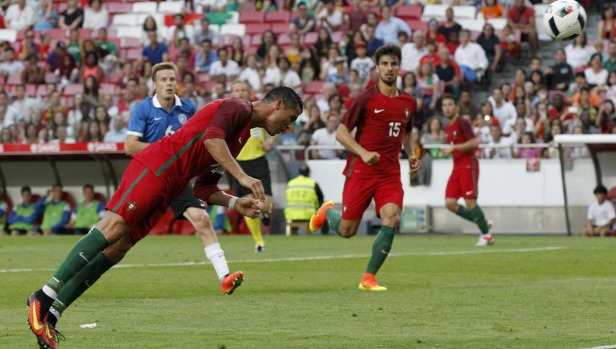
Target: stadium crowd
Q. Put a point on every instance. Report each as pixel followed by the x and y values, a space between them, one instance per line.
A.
pixel 69 78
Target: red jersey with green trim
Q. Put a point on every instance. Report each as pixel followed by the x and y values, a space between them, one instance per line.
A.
pixel 183 155
pixel 381 123
pixel 458 132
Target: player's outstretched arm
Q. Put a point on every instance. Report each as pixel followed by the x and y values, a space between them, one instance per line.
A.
pixel 248 207
pixel 343 135
pixel 219 150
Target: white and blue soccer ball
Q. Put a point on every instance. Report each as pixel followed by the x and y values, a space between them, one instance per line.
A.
pixel 564 20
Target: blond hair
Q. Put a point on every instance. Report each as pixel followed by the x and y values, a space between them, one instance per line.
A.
pixel 163 66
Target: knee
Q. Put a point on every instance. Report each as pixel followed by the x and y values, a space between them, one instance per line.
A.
pixel 392 220
pixel 347 232
pixel 451 205
pixel 116 252
pixel 203 225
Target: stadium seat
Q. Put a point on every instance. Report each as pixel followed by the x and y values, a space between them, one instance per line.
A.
pixel 115 8
pixel 133 54
pixel 162 227
pixel 219 18
pixel 256 28
pixel 251 17
pixel 464 12
pixel 171 7
pixel 214 28
pixel 256 40
pixel 71 89
pixel 125 20
pixel 294 226
pixel 13 79
pixel 159 18
pixel 313 87
pixel 181 227
pixel 144 7
pixel 129 32
pixel 279 28
pixel 86 33
pixel 337 36
pixel 417 25
pixel 251 50
pixel 233 29
pixel 284 39
pixel 41 90
pixel 311 38
pixel 31 90
pixel 434 11
pixel 69 200
pixel 108 88
pixel 203 77
pixel 100 197
pixel 406 12
pixel 498 23
pixel 130 43
pixel 278 17
pixel 471 24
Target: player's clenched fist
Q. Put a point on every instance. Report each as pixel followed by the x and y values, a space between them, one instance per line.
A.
pixel 414 163
pixel 370 158
pixel 254 185
pixel 248 207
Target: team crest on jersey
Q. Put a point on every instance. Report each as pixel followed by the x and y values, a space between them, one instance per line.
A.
pixel 132 205
pixel 407 112
pixel 182 118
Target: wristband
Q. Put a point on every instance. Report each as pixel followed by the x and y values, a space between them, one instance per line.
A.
pixel 232 202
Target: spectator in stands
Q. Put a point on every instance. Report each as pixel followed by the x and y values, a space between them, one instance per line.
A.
pixel 203 31
pixel 268 38
pixel 308 65
pixel 72 17
pixel 6 135
pixel 449 26
pixel 95 15
pixel 21 108
pixel 61 135
pixel 90 68
pixel 19 16
pixel 224 66
pixel 238 54
pixel 67 72
pixel 303 23
pixel 403 39
pixel 329 18
pixel 22 218
pixel 413 52
pixel 610 62
pixel 56 213
pixel 92 133
pixel 149 24
pixel 606 117
pixel 103 119
pixel 54 57
pixel 448 71
pixel 326 136
pixel 471 58
pixel 578 86
pixel 156 52
pixel 335 107
pixel 522 17
pixel 601 215
pixel 346 47
pixel 341 75
pixel 492 9
pixel 209 6
pixel 409 84
pixel 466 104
pixel 509 42
pixel 328 66
pixel 30 134
pixel 491 45
pixel 428 82
pixel 250 73
pixel 434 134
pixel 389 27
pixel 74 45
pixel 87 213
pixel 205 57
pixel 27 46
pixel 178 31
pixel 527 153
pixel 323 43
pixel 45 17
pixel 288 77
pixel 503 110
pixel 264 5
pixel 372 20
pixel 372 41
pixel 10 65
pixel 362 63
pixel 33 74
pixel 433 34
pixel 117 134
pixel 561 74
pixel 606 28
pixel 579 52
pixel 55 105
pixel 595 74
pixel 104 46
pixel 499 147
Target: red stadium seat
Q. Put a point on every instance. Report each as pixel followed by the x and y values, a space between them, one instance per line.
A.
pixel 162 227
pixel 56 33
pixel 108 89
pixel 251 17
pixel 285 39
pixel 251 50
pixel 130 43
pixel 71 89
pixel 85 33
pixel 9 204
pixel 417 25
pixel 133 54
pixel 311 38
pixel 314 87
pixel 69 200
pixel 13 79
pixel 408 12
pixel 256 28
pixel 279 28
pixel 278 17
pixel 118 7
pixel 100 197
pixel 256 40
pixel 181 227
pixel 31 90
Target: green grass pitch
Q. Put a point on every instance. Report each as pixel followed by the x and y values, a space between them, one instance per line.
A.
pixel 524 292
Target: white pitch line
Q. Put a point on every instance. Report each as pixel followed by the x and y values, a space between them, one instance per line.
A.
pixel 612 346
pixel 313 258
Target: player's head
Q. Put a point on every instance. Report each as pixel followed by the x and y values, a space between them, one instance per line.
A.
pixel 284 106
pixel 449 105
pixel 164 76
pixel 600 192
pixel 26 194
pixel 56 191
pixel 239 89
pixel 304 170
pixel 388 59
pixel 88 192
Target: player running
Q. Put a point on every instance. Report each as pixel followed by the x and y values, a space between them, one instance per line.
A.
pixel 205 146
pixel 463 180
pixel 381 115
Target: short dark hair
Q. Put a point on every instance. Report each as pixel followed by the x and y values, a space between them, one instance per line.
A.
pixel 449 96
pixel 88 185
pixel 290 98
pixel 304 170
pixel 26 188
pixel 600 189
pixel 388 50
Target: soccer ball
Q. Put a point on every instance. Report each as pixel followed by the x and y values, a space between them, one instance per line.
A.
pixel 564 20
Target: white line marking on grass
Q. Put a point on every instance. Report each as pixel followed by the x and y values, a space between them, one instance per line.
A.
pixel 612 346
pixel 314 258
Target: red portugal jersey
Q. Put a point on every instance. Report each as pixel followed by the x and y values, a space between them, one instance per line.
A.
pixel 381 124
pixel 458 132
pixel 183 155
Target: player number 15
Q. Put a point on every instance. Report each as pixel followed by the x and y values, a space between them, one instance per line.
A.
pixel 394 129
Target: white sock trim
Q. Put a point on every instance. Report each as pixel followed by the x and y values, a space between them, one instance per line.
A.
pixel 55 313
pixel 216 256
pixel 50 292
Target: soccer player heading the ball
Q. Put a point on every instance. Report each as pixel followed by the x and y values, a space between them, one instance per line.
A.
pixel 382 116
pixel 205 146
